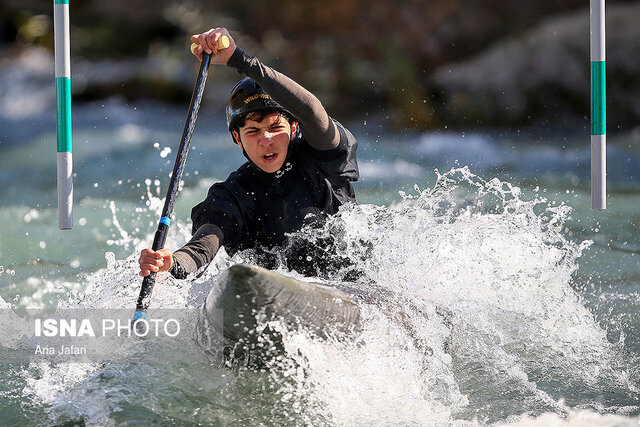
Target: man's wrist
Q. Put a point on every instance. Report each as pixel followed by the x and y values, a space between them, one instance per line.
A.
pixel 177 270
pixel 237 59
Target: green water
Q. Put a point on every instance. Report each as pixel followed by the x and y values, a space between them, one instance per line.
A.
pixel 540 301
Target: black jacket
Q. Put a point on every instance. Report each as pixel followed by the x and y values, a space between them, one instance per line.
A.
pixel 253 208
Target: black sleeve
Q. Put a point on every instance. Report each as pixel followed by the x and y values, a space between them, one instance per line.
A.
pixel 316 125
pixel 198 252
pixel 217 221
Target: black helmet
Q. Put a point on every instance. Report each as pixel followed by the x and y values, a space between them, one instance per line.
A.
pixel 246 97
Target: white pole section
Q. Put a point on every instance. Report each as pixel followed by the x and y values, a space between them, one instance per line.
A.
pixel 63 113
pixel 598 107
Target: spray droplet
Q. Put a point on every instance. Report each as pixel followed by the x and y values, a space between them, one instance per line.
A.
pixel 165 152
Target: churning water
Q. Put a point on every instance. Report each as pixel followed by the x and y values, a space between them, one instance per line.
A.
pixel 490 293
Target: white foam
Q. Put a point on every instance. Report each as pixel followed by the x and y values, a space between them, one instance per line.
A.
pixel 478 300
pixel 473 316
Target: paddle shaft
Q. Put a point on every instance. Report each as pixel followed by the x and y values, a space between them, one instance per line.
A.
pixel 174 184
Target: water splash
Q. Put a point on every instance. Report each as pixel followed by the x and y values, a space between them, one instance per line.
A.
pixel 470 315
pixel 472 289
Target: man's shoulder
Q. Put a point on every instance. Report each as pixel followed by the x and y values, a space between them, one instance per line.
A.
pixel 346 149
pixel 348 141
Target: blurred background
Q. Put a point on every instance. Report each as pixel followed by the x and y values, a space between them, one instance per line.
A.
pixel 540 293
pixel 405 64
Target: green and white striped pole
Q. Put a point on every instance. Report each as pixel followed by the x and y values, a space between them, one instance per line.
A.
pixel 598 108
pixel 63 113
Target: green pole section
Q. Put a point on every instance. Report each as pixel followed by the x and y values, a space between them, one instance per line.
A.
pixel 598 106
pixel 63 113
pixel 598 98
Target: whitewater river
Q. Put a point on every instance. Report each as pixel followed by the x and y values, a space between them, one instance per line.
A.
pixel 507 299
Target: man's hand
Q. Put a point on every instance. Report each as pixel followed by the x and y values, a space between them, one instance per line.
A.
pixel 208 42
pixel 161 260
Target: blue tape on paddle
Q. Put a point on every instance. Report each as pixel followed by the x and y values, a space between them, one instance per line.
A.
pixel 140 315
pixel 165 220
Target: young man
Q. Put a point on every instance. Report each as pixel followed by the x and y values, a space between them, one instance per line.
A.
pixel 300 166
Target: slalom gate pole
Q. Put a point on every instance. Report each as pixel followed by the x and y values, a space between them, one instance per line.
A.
pixel 598 107
pixel 63 113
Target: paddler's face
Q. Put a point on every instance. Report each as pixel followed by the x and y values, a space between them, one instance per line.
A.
pixel 266 142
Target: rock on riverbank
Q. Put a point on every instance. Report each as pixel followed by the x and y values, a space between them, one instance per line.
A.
pixel 544 74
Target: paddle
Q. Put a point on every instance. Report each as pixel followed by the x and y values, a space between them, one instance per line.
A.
pixel 174 184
